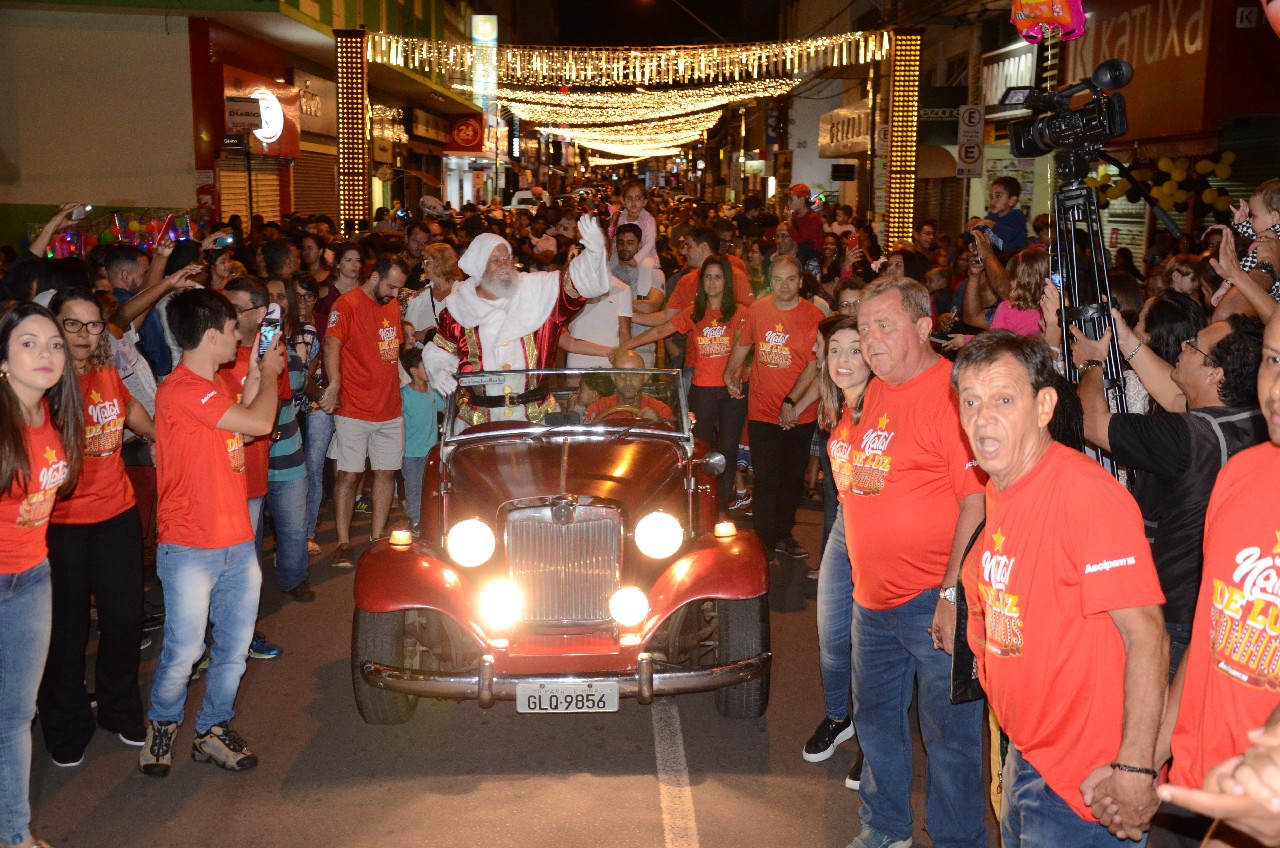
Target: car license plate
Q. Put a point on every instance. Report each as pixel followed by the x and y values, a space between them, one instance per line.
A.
pixel 567 697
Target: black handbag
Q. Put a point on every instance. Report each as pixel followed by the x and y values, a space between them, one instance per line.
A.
pixel 964 666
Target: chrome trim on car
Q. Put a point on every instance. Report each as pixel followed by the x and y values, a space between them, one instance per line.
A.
pixel 566 558
pixel 486 686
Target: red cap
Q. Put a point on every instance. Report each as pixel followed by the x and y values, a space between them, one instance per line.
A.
pixel 800 189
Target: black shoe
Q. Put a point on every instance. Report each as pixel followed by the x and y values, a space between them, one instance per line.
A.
pixel 854 780
pixel 790 547
pixel 153 616
pixel 302 592
pixel 822 744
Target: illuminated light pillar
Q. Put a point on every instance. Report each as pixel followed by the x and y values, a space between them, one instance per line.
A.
pixel 904 102
pixel 353 117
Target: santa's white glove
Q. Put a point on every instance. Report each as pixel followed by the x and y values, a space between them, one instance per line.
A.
pixel 445 384
pixel 590 234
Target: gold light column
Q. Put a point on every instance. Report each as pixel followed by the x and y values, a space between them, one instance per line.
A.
pixel 904 103
pixel 353 117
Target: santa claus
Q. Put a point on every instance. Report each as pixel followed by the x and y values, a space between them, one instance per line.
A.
pixel 501 320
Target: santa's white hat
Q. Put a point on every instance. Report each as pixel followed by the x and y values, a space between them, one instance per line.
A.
pixel 477 254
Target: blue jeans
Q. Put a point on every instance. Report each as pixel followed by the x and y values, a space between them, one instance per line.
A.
pixel 319 432
pixel 1033 815
pixel 220 585
pixel 26 613
pixel 414 467
pixel 892 650
pixel 286 500
pixel 1179 640
pixel 835 620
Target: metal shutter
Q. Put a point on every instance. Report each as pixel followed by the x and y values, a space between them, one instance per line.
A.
pixel 233 187
pixel 315 184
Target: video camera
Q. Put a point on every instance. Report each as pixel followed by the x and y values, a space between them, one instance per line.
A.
pixel 1092 125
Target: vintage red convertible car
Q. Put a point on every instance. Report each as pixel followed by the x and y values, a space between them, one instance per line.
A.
pixel 570 555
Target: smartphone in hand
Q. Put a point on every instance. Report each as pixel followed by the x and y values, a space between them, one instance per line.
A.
pixel 269 329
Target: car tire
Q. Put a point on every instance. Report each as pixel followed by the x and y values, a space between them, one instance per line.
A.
pixel 380 637
pixel 744 633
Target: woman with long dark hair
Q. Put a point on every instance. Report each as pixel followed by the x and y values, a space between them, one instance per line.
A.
pixel 95 553
pixel 710 324
pixel 40 431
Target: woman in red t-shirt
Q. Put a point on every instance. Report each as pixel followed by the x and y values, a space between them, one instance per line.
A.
pixel 95 554
pixel 40 431
pixel 710 324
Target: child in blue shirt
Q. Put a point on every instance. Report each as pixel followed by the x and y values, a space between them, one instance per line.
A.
pixel 1008 223
pixel 421 409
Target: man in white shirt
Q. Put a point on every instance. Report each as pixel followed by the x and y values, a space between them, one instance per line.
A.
pixel 603 324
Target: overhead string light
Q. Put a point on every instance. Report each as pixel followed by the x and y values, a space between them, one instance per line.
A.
pixel 663 132
pixel 607 67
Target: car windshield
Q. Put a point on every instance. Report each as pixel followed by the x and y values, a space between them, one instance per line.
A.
pixel 605 399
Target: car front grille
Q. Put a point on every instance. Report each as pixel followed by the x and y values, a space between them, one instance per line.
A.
pixel 566 571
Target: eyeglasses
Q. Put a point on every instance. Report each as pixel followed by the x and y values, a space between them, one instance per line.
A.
pixel 1208 360
pixel 249 309
pixel 306 295
pixel 94 328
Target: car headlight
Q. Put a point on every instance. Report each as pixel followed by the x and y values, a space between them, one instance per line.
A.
pixel 501 604
pixel 628 606
pixel 659 535
pixel 470 543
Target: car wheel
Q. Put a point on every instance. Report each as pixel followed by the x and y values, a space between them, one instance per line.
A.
pixel 380 637
pixel 743 633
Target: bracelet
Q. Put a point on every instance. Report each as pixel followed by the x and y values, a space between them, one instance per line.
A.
pixel 1152 773
pixel 788 401
pixel 1134 352
pixel 1089 363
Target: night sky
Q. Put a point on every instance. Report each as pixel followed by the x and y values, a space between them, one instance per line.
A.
pixel 645 23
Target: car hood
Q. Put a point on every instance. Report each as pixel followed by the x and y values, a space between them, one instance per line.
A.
pixel 630 470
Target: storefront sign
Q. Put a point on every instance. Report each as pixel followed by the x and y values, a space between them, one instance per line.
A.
pixel 466 138
pixel 243 113
pixel 484 72
pixel 317 104
pixel 1167 42
pixel 844 132
pixel 1009 67
pixel 938 113
pixel 280 133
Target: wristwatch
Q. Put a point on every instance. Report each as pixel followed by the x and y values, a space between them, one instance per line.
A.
pixel 1089 363
pixel 948 594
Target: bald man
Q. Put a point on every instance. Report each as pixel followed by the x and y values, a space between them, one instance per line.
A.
pixel 630 399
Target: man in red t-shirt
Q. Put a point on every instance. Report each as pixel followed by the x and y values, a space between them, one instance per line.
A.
pixel 205 557
pixel 782 330
pixel 1227 684
pixel 1064 611
pixel 361 358
pixel 915 500
pixel 803 224
pixel 699 245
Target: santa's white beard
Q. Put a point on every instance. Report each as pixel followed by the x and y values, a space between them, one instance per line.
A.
pixel 497 287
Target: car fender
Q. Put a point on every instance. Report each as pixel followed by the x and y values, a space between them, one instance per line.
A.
pixel 729 568
pixel 388 580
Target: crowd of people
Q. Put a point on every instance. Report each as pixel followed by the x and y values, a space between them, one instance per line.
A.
pixel 970 546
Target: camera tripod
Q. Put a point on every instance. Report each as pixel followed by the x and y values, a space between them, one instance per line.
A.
pixel 1086 288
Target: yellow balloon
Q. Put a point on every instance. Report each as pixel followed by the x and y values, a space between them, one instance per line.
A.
pixel 1182 163
pixel 1091 181
pixel 1204 166
pixel 1165 164
pixel 1114 193
pixel 1180 196
pixel 1222 172
pixel 1142 175
pixel 1124 185
pixel 1105 177
pixel 1222 204
pixel 1227 157
pixel 1166 203
pixel 1209 195
pixel 1169 187
pixel 1179 174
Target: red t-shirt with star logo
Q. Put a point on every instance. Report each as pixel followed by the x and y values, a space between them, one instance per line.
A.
pixel 103 490
pixel 709 342
pixel 1233 661
pixel 910 466
pixel 25 509
pixel 1063 547
pixel 783 344
pixel 370 336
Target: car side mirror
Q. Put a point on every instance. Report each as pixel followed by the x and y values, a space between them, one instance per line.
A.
pixel 714 463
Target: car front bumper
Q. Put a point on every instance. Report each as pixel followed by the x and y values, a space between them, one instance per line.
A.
pixel 486 686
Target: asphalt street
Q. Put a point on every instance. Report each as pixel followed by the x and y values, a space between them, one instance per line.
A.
pixel 674 774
